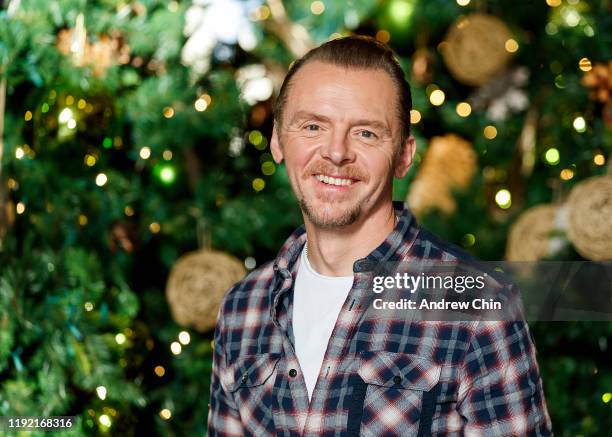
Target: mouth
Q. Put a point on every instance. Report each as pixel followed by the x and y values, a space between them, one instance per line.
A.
pixel 335 181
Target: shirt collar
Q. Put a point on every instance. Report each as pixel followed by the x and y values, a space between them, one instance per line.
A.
pixel 395 246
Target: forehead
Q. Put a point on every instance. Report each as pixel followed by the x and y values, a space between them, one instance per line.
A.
pixel 339 92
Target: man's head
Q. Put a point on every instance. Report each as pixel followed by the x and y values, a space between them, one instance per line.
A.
pixel 342 125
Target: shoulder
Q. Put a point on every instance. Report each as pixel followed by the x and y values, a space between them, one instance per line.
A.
pixel 432 247
pixel 249 292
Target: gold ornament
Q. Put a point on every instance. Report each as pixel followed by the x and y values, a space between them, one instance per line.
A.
pixel 99 55
pixel 589 221
pixel 197 284
pixel 530 237
pixel 599 82
pixel 474 48
pixel 449 163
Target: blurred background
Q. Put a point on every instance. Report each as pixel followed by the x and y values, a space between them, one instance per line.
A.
pixel 136 182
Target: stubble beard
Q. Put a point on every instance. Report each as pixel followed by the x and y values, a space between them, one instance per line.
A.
pixel 325 221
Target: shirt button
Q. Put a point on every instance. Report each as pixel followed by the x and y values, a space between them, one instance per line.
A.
pixel 397 379
pixel 293 373
pixel 245 377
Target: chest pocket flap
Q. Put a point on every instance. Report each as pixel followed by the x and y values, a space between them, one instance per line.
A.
pixel 251 370
pixel 390 369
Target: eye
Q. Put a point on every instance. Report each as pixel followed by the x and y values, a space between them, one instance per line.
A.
pixel 367 134
pixel 311 127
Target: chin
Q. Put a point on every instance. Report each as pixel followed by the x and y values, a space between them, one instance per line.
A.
pixel 328 215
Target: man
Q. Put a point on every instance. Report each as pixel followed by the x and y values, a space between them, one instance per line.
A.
pixel 298 350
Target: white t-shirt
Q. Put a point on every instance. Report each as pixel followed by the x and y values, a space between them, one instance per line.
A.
pixel 317 301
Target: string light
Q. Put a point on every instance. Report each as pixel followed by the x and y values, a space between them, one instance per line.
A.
pixel 464 109
pixel 107 143
pixel 154 227
pixel 606 397
pixel 184 337
pixel 20 208
pixel 552 156
pixel 88 306
pixel 168 112
pixel 511 45
pixel 101 179
pixel 317 7
pixel 249 262
pixel 258 184
pixel 145 152
pixel 65 115
pixel 120 338
pixel 128 210
pixel 71 123
pixel 101 391
pixel 463 2
pixel 567 174
pixel 27 116
pixel 82 104
pixel 90 160
pixel 69 100
pixel 176 348
pixel 553 3
pixel 200 104
pixel 167 174
pixel 490 132
pixel 599 159
pixel 167 155
pixel 468 240
pixel 105 420
pixel 415 116
pixel 437 97
pixel 571 17
pixel 165 414
pixel 585 64
pixel 579 124
pixel 503 198
pixel 255 137
pixel 83 220
pixel 19 153
pixel 268 168
pixel 160 371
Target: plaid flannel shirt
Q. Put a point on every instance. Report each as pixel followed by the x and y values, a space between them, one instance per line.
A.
pixel 378 377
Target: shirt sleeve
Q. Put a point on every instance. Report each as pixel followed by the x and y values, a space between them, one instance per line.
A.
pixel 223 415
pixel 501 391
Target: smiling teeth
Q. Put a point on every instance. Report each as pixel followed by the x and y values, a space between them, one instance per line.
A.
pixel 333 181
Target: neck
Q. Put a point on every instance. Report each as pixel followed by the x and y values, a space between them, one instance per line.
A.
pixel 332 252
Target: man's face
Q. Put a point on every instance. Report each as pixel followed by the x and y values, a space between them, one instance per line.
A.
pixel 340 142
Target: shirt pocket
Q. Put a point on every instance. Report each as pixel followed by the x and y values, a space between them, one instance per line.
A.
pixel 394 395
pixel 251 371
pixel 250 380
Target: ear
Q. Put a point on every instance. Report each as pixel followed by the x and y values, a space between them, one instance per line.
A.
pixel 406 157
pixel 275 146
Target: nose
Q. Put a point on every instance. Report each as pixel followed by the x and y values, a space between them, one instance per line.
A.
pixel 338 149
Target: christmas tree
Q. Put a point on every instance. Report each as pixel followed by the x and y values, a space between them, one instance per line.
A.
pixel 136 181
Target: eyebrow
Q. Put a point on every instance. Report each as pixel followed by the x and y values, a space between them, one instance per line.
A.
pixel 305 115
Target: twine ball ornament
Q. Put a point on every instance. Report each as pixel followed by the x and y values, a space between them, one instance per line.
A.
pixel 530 236
pixel 589 220
pixel 474 48
pixel 197 284
pixel 449 163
